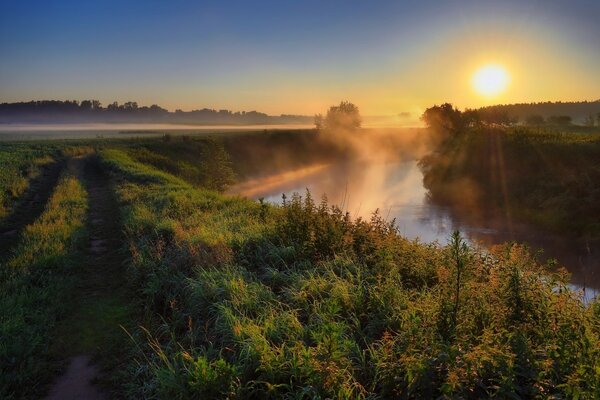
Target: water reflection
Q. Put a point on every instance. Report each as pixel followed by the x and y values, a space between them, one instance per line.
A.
pixel 396 190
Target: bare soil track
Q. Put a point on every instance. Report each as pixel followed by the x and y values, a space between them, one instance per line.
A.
pixel 91 337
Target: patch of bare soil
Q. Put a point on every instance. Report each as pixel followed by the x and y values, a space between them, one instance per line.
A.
pixel 77 382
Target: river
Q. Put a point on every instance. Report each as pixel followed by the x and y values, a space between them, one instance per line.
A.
pixel 396 190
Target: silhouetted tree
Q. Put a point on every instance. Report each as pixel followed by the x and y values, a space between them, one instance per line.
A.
pixel 319 121
pixel 343 117
pixel 130 105
pixel 443 119
pixel 471 118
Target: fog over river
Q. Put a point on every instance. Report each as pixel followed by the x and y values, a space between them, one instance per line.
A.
pixel 396 190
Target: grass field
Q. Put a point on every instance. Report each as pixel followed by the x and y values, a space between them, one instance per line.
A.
pixel 36 280
pixel 225 297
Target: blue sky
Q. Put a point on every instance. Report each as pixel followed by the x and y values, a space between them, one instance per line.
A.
pixel 296 56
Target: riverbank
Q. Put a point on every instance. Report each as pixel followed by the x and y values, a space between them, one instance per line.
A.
pixel 234 298
pixel 255 300
pixel 548 179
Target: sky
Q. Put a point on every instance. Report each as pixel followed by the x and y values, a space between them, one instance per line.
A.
pixel 297 57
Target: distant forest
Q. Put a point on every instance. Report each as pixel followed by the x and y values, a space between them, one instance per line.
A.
pixel 92 111
pixel 580 112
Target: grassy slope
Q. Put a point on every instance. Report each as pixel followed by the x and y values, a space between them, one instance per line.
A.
pixel 34 287
pixel 246 300
pixel 547 178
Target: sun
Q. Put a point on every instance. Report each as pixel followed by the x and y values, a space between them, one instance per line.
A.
pixel 490 80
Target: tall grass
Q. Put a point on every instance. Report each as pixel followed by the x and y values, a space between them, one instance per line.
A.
pixel 246 300
pixel 201 162
pixel 34 290
pixel 19 164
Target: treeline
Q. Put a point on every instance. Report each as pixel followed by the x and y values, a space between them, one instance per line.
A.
pixel 92 111
pixel 532 172
pixel 578 112
pixel 447 118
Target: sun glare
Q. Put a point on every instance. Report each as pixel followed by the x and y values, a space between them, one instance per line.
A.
pixel 490 80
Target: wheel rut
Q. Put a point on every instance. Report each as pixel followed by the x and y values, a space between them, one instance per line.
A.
pixel 91 338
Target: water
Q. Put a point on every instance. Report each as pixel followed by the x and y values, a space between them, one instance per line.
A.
pixel 396 190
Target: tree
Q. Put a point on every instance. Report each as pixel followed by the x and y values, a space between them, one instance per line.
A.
pixel 319 122
pixel 130 105
pixel 86 105
pixel 217 169
pixel 471 118
pixel 96 105
pixel 343 117
pixel 443 119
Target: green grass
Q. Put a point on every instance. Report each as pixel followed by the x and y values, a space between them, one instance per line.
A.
pixel 34 288
pixel 547 178
pixel 19 163
pixel 233 298
pixel 243 300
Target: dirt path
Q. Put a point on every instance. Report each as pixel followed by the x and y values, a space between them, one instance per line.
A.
pixel 91 337
pixel 29 207
pixel 77 382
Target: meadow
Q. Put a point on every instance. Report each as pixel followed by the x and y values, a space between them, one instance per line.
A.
pixel 233 298
pixel 35 285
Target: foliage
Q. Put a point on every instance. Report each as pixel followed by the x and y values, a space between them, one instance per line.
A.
pixel 578 110
pixel 482 171
pixel 444 118
pixel 243 300
pixel 344 117
pixel 203 162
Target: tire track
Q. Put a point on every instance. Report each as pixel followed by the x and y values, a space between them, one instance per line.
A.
pixel 91 337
